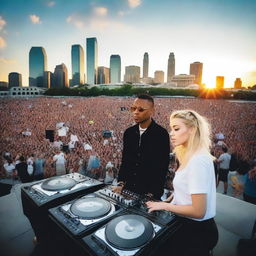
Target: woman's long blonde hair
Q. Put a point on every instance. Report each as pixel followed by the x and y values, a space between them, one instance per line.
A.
pixel 199 140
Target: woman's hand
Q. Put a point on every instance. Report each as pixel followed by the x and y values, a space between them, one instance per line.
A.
pixel 155 206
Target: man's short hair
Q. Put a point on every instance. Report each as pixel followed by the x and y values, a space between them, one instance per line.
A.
pixel 145 97
pixel 22 158
pixel 225 149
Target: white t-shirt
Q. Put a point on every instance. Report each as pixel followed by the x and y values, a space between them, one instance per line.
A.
pixel 59 158
pixel 9 168
pixel 197 177
pixel 225 160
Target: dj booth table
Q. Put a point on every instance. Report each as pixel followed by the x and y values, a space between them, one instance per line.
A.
pixel 84 217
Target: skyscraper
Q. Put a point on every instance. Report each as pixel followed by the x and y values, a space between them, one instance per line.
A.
pixel 115 69
pixel 145 65
pixel 238 83
pixel 171 67
pixel 132 74
pixel 103 75
pixel 92 60
pixel 196 69
pixel 60 76
pixel 219 82
pixel 77 59
pixel 14 79
pixel 37 66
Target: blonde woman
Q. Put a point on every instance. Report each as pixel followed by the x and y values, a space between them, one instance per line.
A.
pixel 194 197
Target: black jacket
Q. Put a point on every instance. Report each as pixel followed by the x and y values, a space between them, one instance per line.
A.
pixel 22 172
pixel 145 160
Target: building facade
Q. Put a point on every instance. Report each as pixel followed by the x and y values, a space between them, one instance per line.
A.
pixel 171 67
pixel 132 74
pixel 145 65
pixel 196 69
pixel 183 80
pixel 159 77
pixel 77 63
pixel 37 66
pixel 115 69
pixel 103 75
pixel 219 82
pixel 14 79
pixel 238 83
pixel 60 76
pixel 92 60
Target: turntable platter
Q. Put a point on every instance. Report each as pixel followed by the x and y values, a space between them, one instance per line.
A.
pixel 129 232
pixel 58 183
pixel 90 208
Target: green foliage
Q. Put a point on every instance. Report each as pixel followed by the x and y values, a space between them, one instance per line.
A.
pixel 129 90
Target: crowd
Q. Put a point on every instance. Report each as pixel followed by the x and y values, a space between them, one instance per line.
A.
pixel 23 123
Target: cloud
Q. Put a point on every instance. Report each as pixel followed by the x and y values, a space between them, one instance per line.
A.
pixel 35 19
pixel 7 61
pixel 134 3
pixel 2 23
pixel 76 20
pixel 121 13
pixel 51 3
pixel 100 11
pixel 2 43
pixel 93 22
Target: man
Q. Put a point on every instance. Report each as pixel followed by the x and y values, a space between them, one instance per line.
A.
pixel 224 161
pixel 146 149
pixel 60 161
pixel 21 168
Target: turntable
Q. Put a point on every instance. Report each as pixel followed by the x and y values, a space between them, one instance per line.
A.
pixel 83 214
pixel 125 235
pixel 50 189
pixel 38 197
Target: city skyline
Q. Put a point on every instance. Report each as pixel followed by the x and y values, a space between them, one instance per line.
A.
pixel 215 33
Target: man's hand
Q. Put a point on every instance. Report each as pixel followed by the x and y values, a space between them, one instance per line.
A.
pixel 252 173
pixel 117 189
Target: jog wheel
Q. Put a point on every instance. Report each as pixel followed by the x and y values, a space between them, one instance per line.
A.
pixel 129 232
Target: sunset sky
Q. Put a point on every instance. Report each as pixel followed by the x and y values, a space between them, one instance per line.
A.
pixel 219 33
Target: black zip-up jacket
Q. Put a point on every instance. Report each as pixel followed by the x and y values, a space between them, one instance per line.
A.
pixel 145 159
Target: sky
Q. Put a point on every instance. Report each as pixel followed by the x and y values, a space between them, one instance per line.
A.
pixel 219 33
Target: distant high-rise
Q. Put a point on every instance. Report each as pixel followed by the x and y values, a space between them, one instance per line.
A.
pixel 48 79
pixel 14 79
pixel 37 66
pixel 132 74
pixel 219 82
pixel 60 76
pixel 77 59
pixel 103 75
pixel 159 77
pixel 238 83
pixel 145 65
pixel 196 69
pixel 171 67
pixel 115 69
pixel 92 60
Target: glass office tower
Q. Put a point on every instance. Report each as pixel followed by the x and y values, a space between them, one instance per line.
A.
pixel 77 59
pixel 92 60
pixel 15 79
pixel 37 66
pixel 115 69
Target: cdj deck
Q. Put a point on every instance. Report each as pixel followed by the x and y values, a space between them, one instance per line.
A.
pixel 38 197
pixel 107 223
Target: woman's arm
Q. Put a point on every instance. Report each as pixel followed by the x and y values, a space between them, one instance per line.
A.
pixel 196 210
